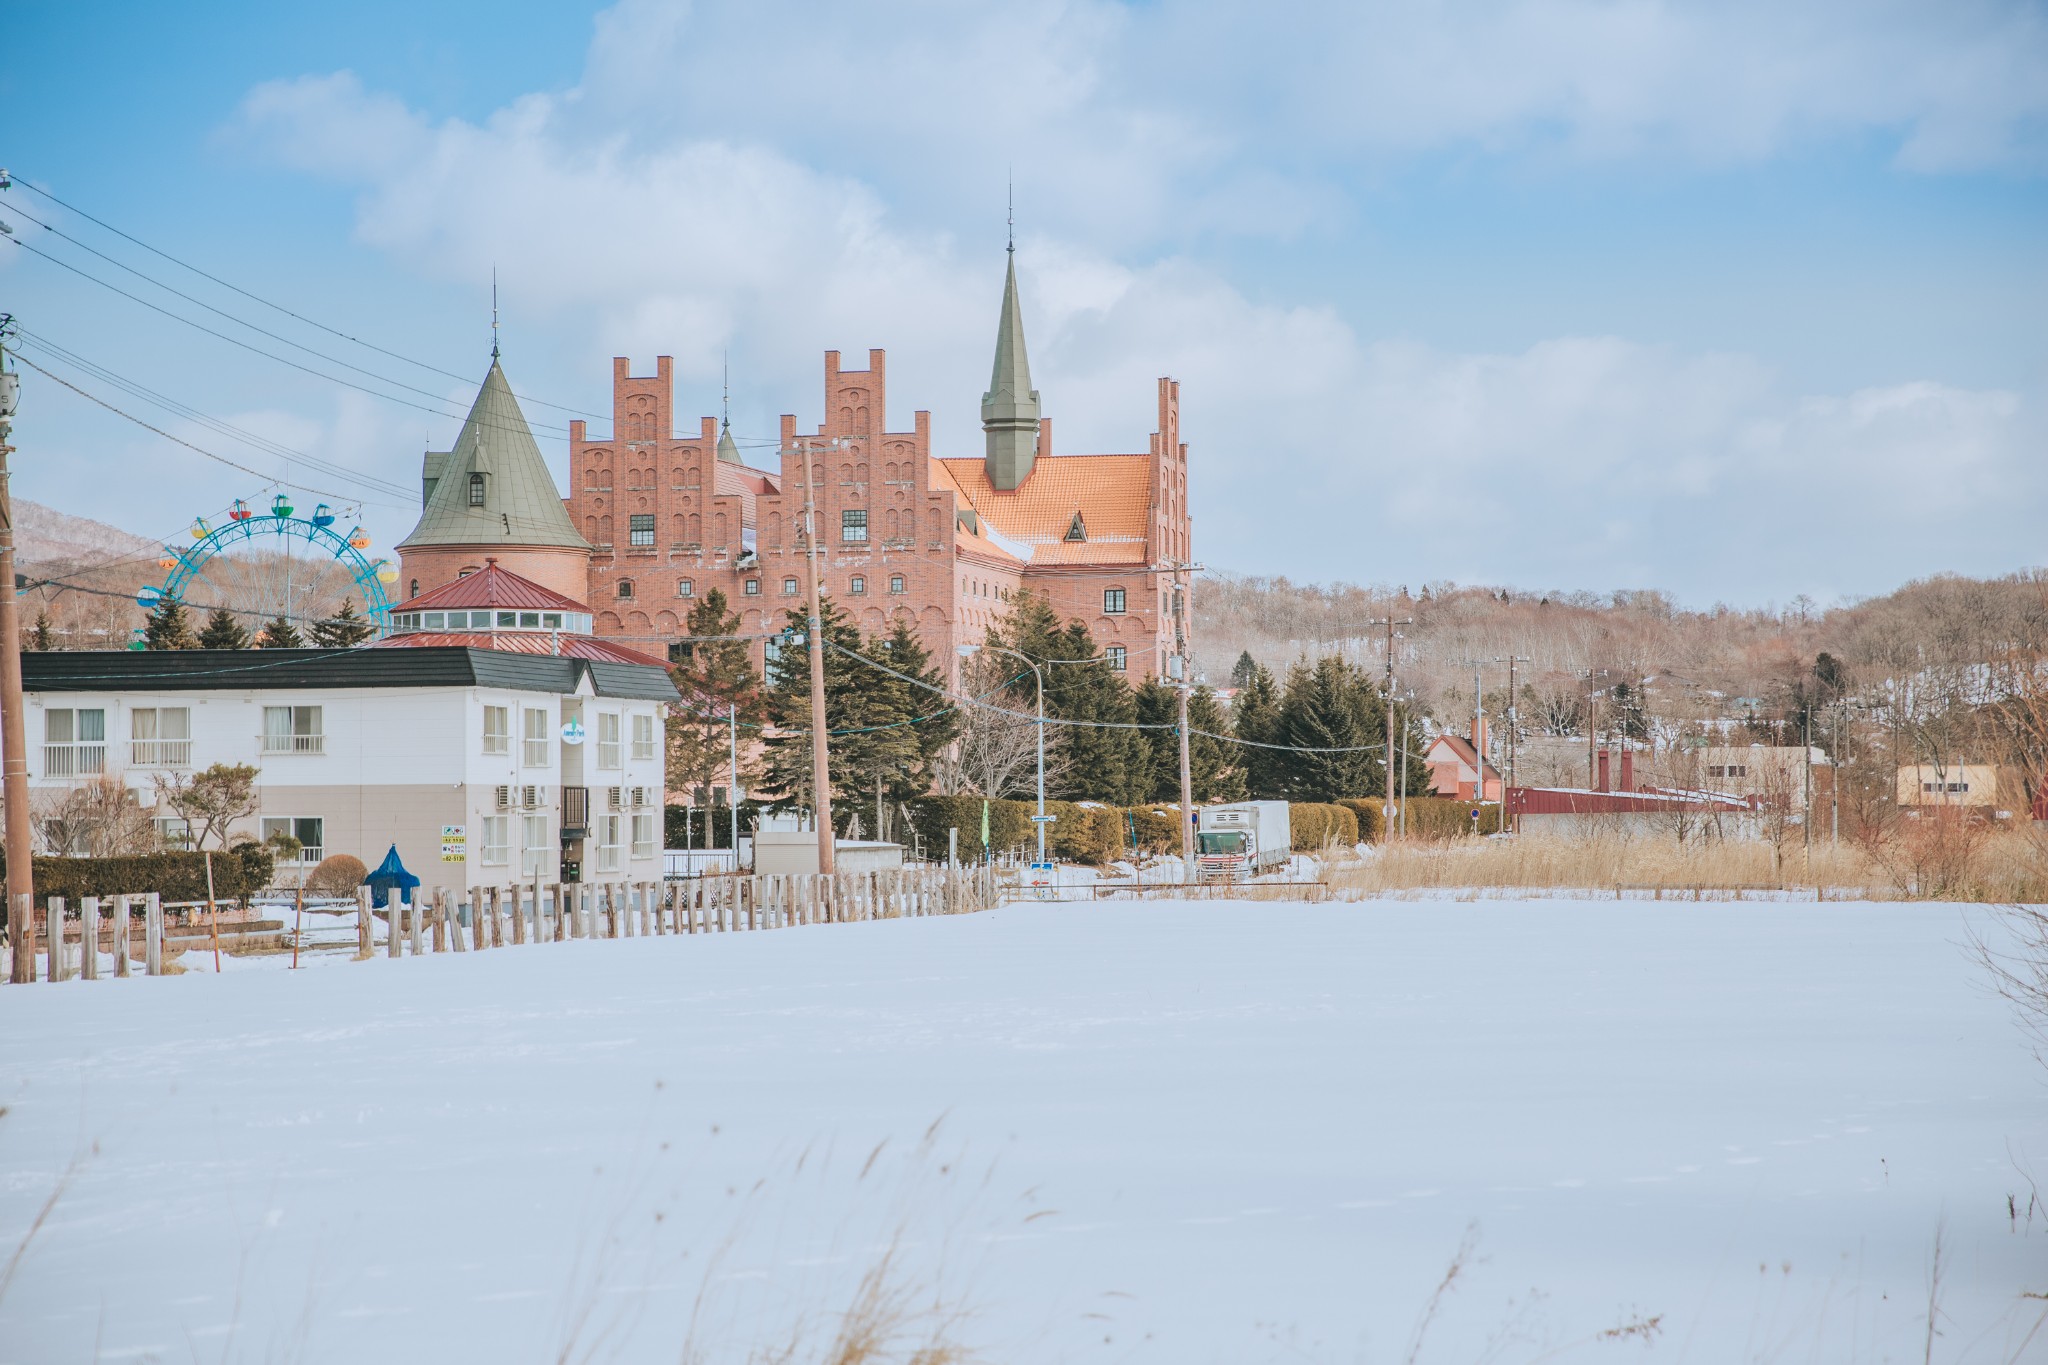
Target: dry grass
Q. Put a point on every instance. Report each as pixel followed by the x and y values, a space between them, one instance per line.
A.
pixel 2000 866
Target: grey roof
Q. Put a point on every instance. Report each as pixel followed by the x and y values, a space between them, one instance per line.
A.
pixel 1010 395
pixel 264 670
pixel 521 504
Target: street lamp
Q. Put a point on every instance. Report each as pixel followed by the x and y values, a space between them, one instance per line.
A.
pixel 1038 676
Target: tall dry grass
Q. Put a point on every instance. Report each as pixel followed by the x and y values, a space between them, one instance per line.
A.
pixel 1998 866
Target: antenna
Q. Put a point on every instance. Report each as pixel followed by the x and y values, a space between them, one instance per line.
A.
pixel 1012 247
pixel 494 311
pixel 727 425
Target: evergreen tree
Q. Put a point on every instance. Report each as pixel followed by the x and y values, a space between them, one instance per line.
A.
pixel 1213 771
pixel 281 634
pixel 223 631
pixel 715 674
pixel 41 638
pixel 167 627
pixel 1330 705
pixel 868 716
pixel 1628 714
pixel 343 630
pixel 1241 672
pixel 1255 717
pixel 937 722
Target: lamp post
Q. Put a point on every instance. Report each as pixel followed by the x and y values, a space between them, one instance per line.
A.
pixel 1038 677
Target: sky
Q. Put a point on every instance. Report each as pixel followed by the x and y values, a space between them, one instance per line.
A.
pixel 1741 301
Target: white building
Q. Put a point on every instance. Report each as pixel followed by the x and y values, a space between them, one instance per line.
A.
pixel 505 752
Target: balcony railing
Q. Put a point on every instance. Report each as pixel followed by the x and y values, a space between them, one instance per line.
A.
pixel 294 744
pixel 575 812
pixel 74 760
pixel 160 753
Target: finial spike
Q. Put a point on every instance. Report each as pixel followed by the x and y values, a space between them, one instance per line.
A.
pixel 494 311
pixel 727 363
pixel 1012 247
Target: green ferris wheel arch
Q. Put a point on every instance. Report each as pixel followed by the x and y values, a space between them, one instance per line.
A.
pixel 316 529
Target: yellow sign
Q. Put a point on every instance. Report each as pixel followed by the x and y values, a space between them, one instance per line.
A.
pixel 454 844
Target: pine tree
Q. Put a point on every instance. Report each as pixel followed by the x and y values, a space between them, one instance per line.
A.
pixel 281 634
pixel 343 630
pixel 167 627
pixel 42 639
pixel 1255 717
pixel 868 716
pixel 1241 672
pixel 223 631
pixel 720 689
pixel 1330 705
pixel 937 722
pixel 1213 771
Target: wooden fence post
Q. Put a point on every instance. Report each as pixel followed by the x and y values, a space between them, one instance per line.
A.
pixel 394 922
pixel 561 917
pixel 363 922
pixel 121 921
pixel 439 901
pixel 453 914
pixel 418 921
pixel 153 935
pixel 89 937
pixel 56 937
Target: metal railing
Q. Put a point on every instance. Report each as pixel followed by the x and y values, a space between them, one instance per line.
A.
pixel 294 744
pixel 74 760
pixel 160 753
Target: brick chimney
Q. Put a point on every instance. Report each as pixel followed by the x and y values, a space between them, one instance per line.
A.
pixel 1628 768
pixel 1603 771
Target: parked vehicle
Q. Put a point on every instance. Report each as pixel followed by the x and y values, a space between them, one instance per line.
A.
pixel 1241 840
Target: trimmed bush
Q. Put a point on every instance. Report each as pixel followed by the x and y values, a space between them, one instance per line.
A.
pixel 339 874
pixel 1372 817
pixel 1157 828
pixel 1441 817
pixel 1316 824
pixel 1009 823
pixel 240 871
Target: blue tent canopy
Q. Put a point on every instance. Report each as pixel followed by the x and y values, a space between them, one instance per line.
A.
pixel 390 876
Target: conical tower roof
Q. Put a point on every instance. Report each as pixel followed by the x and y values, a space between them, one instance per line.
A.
pixel 520 504
pixel 1009 386
pixel 727 449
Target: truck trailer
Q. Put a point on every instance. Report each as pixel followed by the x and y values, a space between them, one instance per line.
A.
pixel 1241 840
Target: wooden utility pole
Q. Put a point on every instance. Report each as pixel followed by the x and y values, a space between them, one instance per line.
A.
pixel 21 888
pixel 821 775
pixel 1389 622
pixel 1514 724
pixel 1183 684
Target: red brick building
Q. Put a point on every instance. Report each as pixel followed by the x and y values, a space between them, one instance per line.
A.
pixel 944 541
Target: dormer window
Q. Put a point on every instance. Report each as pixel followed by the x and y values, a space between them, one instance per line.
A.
pixel 476 490
pixel 1077 529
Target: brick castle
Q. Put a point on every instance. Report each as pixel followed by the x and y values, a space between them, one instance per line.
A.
pixel 653 520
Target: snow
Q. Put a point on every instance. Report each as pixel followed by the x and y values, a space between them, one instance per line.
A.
pixel 1176 1132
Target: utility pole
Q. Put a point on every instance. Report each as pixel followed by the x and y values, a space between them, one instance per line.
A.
pixel 1177 673
pixel 1514 724
pixel 21 889
pixel 732 791
pixel 1389 622
pixel 821 776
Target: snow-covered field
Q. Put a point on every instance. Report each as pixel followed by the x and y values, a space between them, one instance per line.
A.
pixel 1213 1132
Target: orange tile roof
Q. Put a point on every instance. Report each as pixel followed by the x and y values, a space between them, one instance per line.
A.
pixel 524 642
pixel 493 586
pixel 1112 493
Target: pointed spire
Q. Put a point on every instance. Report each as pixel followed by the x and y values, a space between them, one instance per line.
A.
pixel 521 505
pixel 728 449
pixel 494 312
pixel 1009 410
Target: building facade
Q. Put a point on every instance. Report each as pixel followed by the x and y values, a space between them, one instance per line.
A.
pixel 944 543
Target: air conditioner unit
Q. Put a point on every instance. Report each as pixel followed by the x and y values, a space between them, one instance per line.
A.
pixel 504 795
pixel 639 797
pixel 529 797
pixel 612 798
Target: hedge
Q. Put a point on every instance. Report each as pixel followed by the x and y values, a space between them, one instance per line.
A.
pixel 1442 817
pixel 1317 824
pixel 176 876
pixel 1372 817
pixel 678 821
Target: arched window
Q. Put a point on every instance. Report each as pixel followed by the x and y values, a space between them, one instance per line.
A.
pixel 625 587
pixel 415 588
pixel 476 490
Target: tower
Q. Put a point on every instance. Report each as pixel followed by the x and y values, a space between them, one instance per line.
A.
pixel 1009 410
pixel 492 495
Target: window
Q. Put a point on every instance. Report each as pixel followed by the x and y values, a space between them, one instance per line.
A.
pixel 310 831
pixel 1115 655
pixel 607 739
pixel 533 848
pixel 643 737
pixel 858 586
pixel 853 524
pixel 534 753
pixel 1077 529
pixel 173 832
pixel 643 834
pixel 625 587
pixel 415 589
pixel 789 587
pixel 753 588
pixel 74 742
pixel 686 588
pixel 293 730
pixel 896 583
pixel 608 829
pixel 497 729
pixel 160 737
pixel 476 490
pixel 640 529
pixel 1113 601
pixel 497 849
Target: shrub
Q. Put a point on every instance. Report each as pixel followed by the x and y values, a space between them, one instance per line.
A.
pixel 1155 828
pixel 1442 817
pixel 1372 818
pixel 339 874
pixel 1009 823
pixel 176 876
pixel 1316 824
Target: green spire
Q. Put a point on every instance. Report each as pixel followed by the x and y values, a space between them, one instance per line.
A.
pixel 1009 410
pixel 517 504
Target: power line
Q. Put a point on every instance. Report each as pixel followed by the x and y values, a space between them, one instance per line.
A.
pixel 257 298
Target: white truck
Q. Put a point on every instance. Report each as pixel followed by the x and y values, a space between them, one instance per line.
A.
pixel 1241 840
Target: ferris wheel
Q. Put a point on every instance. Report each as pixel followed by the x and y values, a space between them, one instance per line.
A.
pixel 252 564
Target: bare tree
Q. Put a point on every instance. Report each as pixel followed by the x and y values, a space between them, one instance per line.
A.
pixel 97 819
pixel 996 754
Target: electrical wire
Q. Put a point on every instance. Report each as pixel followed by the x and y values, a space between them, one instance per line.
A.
pixel 257 298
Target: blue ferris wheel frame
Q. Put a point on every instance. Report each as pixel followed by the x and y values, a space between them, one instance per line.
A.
pixel 191 562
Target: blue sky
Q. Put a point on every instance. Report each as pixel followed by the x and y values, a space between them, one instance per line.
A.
pixel 1737 300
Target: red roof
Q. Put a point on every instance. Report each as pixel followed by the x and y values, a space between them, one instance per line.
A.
pixel 1576 801
pixel 524 642
pixel 492 586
